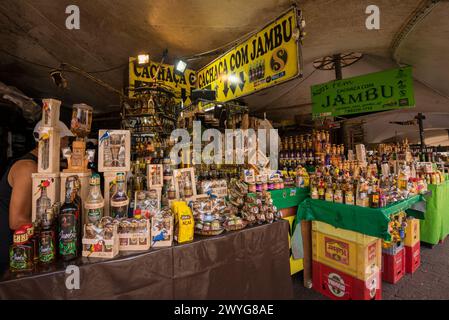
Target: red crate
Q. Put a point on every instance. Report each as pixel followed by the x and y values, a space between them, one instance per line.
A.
pixel 338 285
pixel 412 258
pixel 393 267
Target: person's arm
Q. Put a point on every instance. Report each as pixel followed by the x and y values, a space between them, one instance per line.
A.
pixel 21 182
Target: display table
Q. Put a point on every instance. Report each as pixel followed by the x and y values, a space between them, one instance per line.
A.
pixel 289 197
pixel 249 264
pixel 436 225
pixel 369 221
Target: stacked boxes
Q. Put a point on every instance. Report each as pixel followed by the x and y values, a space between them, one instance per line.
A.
pixel 412 246
pixel 48 156
pixel 393 266
pixel 346 264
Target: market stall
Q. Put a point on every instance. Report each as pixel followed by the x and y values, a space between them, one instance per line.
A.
pixel 258 257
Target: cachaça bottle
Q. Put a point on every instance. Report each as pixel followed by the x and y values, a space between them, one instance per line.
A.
pixel 69 217
pixel 94 204
pixel 47 241
pixel 43 202
pixel 20 253
pixel 120 201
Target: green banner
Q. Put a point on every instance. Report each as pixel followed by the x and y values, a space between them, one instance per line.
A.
pixel 380 91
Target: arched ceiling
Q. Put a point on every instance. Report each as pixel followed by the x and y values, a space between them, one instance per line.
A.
pixel 111 31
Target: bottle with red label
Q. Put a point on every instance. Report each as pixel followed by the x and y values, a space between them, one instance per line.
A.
pixel 20 252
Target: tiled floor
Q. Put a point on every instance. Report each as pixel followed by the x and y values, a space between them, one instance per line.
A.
pixel 430 281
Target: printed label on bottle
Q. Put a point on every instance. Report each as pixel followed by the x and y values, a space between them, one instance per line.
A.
pixel 91 206
pixel 94 215
pixel 67 235
pixel 119 203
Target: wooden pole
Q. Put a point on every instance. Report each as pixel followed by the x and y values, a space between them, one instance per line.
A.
pixel 306 232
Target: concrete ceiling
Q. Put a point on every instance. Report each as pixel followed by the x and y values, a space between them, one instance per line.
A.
pixel 113 30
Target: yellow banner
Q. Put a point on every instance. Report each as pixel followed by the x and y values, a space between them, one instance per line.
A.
pixel 180 85
pixel 269 57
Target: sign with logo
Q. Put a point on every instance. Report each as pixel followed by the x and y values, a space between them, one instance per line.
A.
pixel 380 91
pixel 336 250
pixel 336 285
pixel 181 85
pixel 267 58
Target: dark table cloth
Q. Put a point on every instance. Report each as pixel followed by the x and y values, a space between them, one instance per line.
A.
pixel 249 264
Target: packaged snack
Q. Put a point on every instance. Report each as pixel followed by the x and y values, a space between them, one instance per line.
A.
pixel 184 224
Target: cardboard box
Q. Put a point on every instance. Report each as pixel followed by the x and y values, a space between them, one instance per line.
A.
pixel 412 232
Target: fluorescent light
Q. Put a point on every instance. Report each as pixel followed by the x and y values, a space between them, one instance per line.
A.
pixel 209 109
pixel 181 66
pixel 143 58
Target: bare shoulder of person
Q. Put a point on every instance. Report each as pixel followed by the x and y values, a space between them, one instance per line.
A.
pixel 21 169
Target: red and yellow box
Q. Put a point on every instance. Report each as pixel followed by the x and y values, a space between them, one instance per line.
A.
pixel 411 232
pixel 412 258
pixel 353 253
pixel 393 267
pixel 338 285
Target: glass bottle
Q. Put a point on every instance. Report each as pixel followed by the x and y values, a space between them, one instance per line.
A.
pixel 42 203
pixel 68 236
pixel 20 253
pixel 32 241
pixel 120 201
pixel 94 203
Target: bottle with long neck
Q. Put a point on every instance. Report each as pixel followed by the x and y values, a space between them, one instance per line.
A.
pixel 120 201
pixel 42 204
pixel 69 216
pixel 94 203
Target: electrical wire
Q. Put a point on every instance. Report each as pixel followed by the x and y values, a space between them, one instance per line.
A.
pixel 60 64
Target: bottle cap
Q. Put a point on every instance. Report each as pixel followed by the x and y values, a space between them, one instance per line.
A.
pixel 94 179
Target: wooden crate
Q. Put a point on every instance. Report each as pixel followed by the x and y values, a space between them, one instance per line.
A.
pixel 84 192
pixel 52 189
pixel 155 170
pixel 142 240
pixel 103 149
pixel 50 112
pixel 108 184
pixel 48 150
pixel 114 243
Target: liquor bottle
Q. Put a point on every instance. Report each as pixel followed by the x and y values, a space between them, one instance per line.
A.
pixel 120 201
pixel 69 224
pixel 47 241
pixel 138 179
pixel 94 204
pixel 42 203
pixel 32 240
pixel 20 253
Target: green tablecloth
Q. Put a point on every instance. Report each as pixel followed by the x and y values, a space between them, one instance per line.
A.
pixel 436 225
pixel 289 197
pixel 369 221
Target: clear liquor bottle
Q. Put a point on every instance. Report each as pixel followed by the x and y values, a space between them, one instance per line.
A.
pixel 42 204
